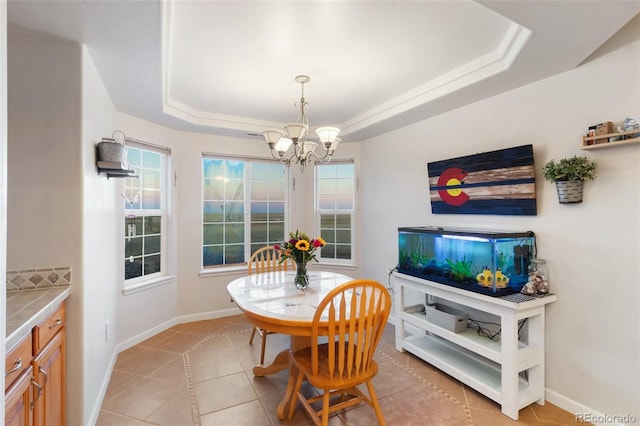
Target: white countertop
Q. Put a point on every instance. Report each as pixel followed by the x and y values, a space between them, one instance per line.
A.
pixel 27 308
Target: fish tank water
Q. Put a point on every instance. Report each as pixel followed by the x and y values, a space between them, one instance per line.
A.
pixel 489 262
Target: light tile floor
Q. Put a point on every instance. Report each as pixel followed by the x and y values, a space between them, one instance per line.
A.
pixel 202 371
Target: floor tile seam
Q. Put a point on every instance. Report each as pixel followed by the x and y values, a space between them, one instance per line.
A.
pixel 122 415
pixel 211 336
pixel 191 389
pixel 463 406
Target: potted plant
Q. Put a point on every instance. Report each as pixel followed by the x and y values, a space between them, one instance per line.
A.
pixel 569 175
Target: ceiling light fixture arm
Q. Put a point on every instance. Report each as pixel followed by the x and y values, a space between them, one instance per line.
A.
pixel 291 144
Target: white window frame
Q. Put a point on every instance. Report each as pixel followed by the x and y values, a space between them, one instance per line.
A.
pixel 227 269
pixel 317 214
pixel 165 275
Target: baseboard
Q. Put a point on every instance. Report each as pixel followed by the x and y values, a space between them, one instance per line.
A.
pixel 208 315
pixel 95 412
pixel 132 341
pixel 587 414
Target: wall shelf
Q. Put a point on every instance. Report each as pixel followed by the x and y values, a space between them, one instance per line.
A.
pixel 115 170
pixel 602 141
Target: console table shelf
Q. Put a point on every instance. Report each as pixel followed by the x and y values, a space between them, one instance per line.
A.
pixel 493 368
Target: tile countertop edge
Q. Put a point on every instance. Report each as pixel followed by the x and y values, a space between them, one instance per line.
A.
pixel 55 299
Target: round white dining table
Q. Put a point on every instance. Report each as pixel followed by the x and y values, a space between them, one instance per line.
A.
pixel 271 301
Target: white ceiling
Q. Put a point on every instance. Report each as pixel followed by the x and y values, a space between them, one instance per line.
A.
pixel 228 67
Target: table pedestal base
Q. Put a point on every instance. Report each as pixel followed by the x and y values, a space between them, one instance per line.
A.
pixel 284 360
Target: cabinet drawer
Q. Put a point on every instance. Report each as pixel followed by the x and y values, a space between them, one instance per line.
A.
pixel 17 361
pixel 44 331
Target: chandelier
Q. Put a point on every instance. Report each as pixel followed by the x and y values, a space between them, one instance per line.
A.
pixel 291 144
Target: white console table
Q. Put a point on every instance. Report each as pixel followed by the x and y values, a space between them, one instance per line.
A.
pixel 491 367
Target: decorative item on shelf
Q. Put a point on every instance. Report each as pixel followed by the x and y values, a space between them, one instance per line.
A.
pixel 538 282
pixel 292 145
pixel 302 249
pixel 569 175
pixel 112 149
pixel 112 157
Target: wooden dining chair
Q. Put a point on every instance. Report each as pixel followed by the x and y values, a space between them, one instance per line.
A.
pixel 266 259
pixel 352 316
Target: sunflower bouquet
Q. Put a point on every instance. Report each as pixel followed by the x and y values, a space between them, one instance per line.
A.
pixel 300 247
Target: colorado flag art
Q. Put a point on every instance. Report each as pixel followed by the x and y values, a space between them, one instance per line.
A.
pixel 498 182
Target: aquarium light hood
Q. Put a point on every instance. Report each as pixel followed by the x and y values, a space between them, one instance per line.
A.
pixel 465 237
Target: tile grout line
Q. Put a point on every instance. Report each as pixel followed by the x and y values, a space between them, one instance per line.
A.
pixel 465 407
pixel 186 360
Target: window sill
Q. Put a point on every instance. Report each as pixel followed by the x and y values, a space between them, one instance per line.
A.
pixel 344 266
pixel 145 285
pixel 218 272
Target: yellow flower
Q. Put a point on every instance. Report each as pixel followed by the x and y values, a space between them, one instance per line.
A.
pixel 302 245
pixel 321 241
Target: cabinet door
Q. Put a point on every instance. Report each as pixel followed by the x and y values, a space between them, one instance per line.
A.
pixel 17 408
pixel 49 371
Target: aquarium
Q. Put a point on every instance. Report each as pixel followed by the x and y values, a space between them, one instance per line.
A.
pixel 489 262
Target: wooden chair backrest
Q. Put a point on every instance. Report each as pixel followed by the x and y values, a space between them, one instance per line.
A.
pixel 353 315
pixel 266 259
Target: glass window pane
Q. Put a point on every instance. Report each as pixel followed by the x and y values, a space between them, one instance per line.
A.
pixel 234 233
pixel 343 237
pixel 213 189
pixel 152 224
pixel 343 252
pixel 235 169
pixel 326 171
pixel 345 170
pixel 276 191
pixel 212 168
pixel 150 199
pixel 151 264
pixel 327 221
pixel 212 255
pixel 327 186
pixel 259 233
pixel 133 157
pixel 234 254
pixel 133 269
pixel 276 233
pixel 259 190
pixel 329 236
pixel 152 245
pixel 213 211
pixel 134 225
pixel 234 190
pixel 343 221
pixel 234 212
pixel 344 202
pixel 328 251
pixel 326 202
pixel 276 211
pixel 132 247
pixel 151 159
pixel 259 171
pixel 259 211
pixel 213 234
pixel 151 179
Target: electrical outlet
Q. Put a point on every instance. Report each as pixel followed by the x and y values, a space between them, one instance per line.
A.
pixel 106 331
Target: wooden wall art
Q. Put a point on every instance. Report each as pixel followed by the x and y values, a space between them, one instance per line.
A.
pixel 498 183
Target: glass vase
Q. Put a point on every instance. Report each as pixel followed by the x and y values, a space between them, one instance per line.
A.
pixel 301 279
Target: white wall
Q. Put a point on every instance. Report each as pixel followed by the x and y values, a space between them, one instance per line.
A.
pixel 197 297
pixel 44 211
pixel 102 232
pixel 3 182
pixel 592 249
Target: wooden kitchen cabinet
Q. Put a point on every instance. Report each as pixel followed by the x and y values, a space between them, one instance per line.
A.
pixel 37 397
pixel 18 399
pixel 49 372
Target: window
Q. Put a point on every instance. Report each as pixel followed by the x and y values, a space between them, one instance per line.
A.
pixel 145 230
pixel 335 206
pixel 243 208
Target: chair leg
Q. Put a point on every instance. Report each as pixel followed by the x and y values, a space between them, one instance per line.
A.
pixel 325 408
pixel 375 404
pixel 264 347
pixel 253 333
